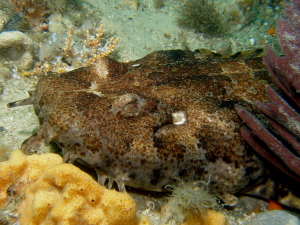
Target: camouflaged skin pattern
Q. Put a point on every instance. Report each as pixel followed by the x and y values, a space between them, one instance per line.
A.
pixel 152 122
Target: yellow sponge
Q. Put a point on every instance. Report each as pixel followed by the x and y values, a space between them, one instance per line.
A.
pixel 60 193
pixel 21 170
pixel 210 217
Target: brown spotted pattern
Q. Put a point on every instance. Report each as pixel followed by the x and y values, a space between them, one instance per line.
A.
pixel 118 118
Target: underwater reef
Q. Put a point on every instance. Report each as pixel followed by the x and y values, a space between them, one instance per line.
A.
pixel 279 143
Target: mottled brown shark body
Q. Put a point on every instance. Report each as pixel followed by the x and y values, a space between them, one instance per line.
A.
pixel 152 122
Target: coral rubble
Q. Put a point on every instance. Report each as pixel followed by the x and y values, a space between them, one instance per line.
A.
pixel 53 192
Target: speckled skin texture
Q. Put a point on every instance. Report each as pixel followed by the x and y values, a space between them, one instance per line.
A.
pixel 120 118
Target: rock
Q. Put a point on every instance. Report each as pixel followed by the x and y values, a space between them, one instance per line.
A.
pixel 275 217
pixel 16 50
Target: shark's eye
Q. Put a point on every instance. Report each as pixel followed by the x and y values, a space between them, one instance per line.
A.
pixel 133 105
pixel 132 108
